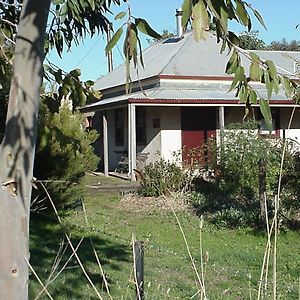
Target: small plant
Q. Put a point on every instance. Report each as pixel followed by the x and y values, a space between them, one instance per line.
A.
pixel 163 177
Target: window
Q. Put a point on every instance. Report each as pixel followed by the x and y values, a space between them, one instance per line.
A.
pixel 119 127
pixel 141 126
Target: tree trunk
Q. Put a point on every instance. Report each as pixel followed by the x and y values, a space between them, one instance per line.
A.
pixel 17 150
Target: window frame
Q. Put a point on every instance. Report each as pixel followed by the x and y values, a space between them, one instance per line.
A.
pixel 141 126
pixel 119 127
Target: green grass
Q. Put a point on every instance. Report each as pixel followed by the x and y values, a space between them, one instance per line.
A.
pixel 234 255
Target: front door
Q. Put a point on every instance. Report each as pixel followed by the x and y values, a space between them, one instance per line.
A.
pixel 198 124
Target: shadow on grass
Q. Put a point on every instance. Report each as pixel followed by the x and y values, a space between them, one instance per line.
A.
pixel 224 209
pixel 45 239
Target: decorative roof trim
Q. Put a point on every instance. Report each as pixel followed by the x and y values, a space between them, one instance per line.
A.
pixel 134 84
pixel 200 101
pixel 195 77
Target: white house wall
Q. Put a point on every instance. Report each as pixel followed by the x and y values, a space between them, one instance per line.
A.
pixel 166 139
pixel 170 132
pixel 294 131
pixel 153 135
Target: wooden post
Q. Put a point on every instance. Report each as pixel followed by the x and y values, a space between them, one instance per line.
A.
pixel 139 269
pixel 221 123
pixel 262 188
pixel 221 118
pixel 105 144
pixel 221 134
pixel 131 141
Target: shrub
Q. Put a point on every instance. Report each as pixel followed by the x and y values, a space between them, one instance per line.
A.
pixel 221 209
pixel 233 197
pixel 64 154
pixel 163 177
pixel 239 154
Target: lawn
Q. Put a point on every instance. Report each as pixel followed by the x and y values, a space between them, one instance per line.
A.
pixel 232 257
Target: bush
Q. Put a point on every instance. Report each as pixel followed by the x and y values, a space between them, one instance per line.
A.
pixel 234 196
pixel 164 177
pixel 239 155
pixel 221 209
pixel 64 154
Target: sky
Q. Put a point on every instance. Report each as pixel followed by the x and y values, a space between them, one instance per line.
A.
pixel 281 18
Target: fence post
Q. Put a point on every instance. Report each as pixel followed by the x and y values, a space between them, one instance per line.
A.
pixel 262 173
pixel 139 269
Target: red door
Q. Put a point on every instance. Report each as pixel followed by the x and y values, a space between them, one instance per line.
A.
pixel 197 126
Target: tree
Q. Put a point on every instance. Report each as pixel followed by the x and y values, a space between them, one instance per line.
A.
pixel 18 146
pixel 250 41
pixel 17 149
pixel 284 45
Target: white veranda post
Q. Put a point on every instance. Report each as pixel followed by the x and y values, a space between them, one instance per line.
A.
pixel 131 140
pixel 221 122
pixel 105 144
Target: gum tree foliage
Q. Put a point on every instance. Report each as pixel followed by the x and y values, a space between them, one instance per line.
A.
pixel 24 25
pixel 284 45
pixel 251 41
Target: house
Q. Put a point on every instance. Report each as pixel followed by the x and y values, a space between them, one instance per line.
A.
pixel 179 100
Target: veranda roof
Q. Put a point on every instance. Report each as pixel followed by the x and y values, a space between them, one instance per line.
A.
pixel 203 93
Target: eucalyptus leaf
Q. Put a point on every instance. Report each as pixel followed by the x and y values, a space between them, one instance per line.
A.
pixel 56 2
pixel 232 63
pixel 253 97
pixel 255 72
pixel 254 57
pixel 275 85
pixel 92 4
pixel 266 112
pixel 259 18
pixel 242 13
pixel 224 17
pixel 143 26
pixel 120 15
pixel 114 40
pixel 268 83
pixel 233 38
pixel 200 21
pixel 186 12
pixel 287 86
pixel 239 74
pixel 243 94
pixel 271 68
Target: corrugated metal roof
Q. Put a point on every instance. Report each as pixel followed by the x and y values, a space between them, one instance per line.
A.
pixel 186 57
pixel 186 71
pixel 172 57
